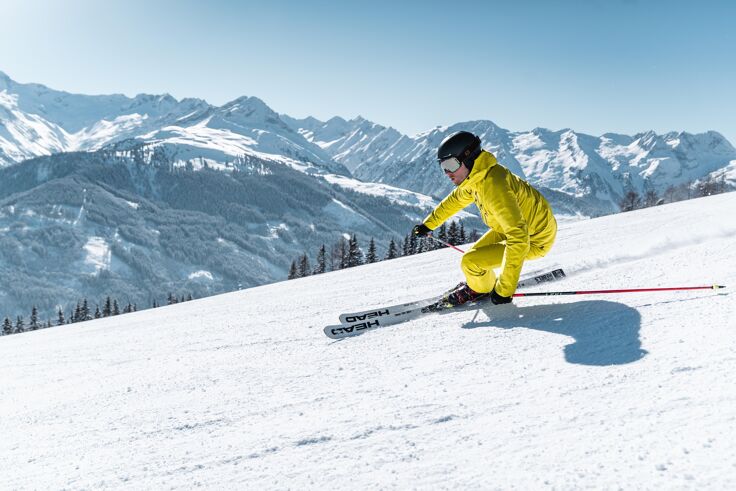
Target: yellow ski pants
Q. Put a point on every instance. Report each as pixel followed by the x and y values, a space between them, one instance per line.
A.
pixel 487 254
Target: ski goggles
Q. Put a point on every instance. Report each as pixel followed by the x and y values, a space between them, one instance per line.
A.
pixel 450 164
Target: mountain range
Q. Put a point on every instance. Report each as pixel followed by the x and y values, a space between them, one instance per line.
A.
pixel 138 196
pixel 596 171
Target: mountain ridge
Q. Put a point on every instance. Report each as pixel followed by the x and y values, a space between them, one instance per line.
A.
pixel 159 221
pixel 602 169
pixel 157 146
pixel 36 120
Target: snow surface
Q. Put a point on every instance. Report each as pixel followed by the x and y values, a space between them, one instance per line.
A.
pixel 244 391
pixel 201 274
pixel 392 193
pixel 98 253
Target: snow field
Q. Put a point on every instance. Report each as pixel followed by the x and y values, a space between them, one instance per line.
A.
pixel 244 391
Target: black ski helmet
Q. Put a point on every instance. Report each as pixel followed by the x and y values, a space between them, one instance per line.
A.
pixel 462 145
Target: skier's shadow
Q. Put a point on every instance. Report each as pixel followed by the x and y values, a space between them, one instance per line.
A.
pixel 605 333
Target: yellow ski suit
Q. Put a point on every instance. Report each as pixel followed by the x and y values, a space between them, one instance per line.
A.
pixel 517 215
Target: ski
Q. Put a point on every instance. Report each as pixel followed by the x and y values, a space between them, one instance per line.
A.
pixel 339 331
pixel 399 309
pixel 553 275
pixel 357 323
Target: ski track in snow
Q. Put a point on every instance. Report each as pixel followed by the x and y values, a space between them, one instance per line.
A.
pixel 243 390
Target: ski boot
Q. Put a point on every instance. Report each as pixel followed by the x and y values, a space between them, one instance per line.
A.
pixel 461 295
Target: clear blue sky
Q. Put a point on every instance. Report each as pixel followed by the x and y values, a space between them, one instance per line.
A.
pixel 594 66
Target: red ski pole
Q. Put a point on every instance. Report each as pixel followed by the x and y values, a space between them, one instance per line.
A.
pixel 628 290
pixel 446 243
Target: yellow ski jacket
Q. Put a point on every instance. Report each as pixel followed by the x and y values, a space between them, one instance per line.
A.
pixel 510 206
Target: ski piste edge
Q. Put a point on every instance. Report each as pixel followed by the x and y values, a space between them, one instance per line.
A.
pixel 354 324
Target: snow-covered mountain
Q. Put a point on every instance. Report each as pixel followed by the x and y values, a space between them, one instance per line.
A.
pixel 581 174
pixel 36 121
pixel 596 170
pixel 153 194
pixel 350 142
pixel 135 222
pixel 157 153
pixel 243 390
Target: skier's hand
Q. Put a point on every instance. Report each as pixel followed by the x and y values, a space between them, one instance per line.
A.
pixel 498 299
pixel 421 230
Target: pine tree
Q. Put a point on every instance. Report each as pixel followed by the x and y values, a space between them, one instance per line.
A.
pixel 669 193
pixel 461 235
pixel 631 201
pixel 422 245
pixel 371 256
pixel 453 233
pixel 34 326
pixel 412 247
pixel 392 252
pixel 77 316
pixel 85 311
pixel 651 198
pixel 706 187
pixel 60 321
pixel 293 273
pixel 355 255
pixel 722 186
pixel 7 327
pixel 442 235
pixel 344 253
pixel 339 254
pixel 115 308
pixel 321 266
pixel 98 314
pixel 107 308
pixel 20 326
pixel 429 244
pixel 304 268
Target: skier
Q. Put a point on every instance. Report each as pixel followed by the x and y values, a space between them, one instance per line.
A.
pixel 521 221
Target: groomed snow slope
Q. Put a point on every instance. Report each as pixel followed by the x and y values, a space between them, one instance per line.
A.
pixel 243 390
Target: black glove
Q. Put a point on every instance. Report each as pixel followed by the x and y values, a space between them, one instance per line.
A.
pixel 421 230
pixel 498 299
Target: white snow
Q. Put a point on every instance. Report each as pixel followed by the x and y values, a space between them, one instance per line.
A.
pixel 243 390
pixel 347 217
pixel 392 193
pixel 201 274
pixel 98 253
pixel 273 230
